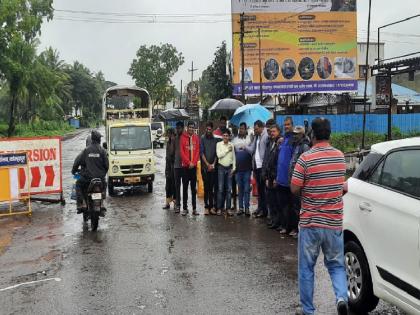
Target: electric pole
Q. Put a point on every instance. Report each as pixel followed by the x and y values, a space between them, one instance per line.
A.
pixel 192 70
pixel 180 97
pixel 242 34
pixel 259 62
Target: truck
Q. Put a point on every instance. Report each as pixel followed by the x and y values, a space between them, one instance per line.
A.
pixel 127 115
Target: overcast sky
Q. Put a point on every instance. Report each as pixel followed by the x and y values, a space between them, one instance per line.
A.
pixel 111 47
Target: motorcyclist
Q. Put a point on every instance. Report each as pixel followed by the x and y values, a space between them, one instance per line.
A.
pixel 93 163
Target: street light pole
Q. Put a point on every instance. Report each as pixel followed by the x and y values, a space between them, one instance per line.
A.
pixel 366 78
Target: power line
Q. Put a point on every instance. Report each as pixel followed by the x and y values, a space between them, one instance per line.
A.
pixel 140 14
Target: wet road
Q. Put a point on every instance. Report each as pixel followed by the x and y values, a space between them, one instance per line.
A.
pixel 145 260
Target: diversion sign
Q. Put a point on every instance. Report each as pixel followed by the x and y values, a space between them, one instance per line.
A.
pixel 44 175
pixel 306 46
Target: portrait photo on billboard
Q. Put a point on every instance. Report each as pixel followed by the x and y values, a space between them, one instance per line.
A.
pixel 306 68
pixel 324 68
pixel 345 68
pixel 288 69
pixel 271 69
pixel 343 6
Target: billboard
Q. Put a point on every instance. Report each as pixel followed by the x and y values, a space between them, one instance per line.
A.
pixel 306 46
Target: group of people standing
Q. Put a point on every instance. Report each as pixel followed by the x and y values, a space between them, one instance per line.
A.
pixel 227 163
pixel 299 177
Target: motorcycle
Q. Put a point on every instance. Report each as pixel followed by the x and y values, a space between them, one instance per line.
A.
pixel 94 197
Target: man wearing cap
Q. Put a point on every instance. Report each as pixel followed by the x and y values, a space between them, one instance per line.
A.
pixel 301 144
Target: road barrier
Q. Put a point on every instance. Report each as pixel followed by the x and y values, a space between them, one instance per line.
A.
pixel 44 175
pixel 10 192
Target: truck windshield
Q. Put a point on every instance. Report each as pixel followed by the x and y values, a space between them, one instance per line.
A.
pixel 130 138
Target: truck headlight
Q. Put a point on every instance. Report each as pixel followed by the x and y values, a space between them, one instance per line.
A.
pixel 148 167
pixel 115 169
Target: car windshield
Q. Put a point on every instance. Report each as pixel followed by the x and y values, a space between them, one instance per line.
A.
pixel 130 138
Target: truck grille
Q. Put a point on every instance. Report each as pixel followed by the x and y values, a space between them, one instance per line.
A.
pixel 131 169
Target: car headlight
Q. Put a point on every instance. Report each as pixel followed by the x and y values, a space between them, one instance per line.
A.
pixel 115 169
pixel 148 167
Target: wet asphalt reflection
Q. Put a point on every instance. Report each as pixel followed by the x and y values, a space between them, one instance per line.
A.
pixel 145 260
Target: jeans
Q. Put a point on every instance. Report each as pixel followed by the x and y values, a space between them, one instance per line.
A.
pixel 262 203
pixel 243 181
pixel 178 178
pixel 209 181
pixel 311 240
pixel 225 187
pixel 189 177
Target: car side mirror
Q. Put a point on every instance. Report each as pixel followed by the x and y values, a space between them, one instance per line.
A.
pixel 105 145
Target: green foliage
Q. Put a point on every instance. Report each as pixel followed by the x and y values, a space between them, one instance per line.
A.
pixel 40 128
pixel 20 22
pixel 153 69
pixel 40 87
pixel 214 82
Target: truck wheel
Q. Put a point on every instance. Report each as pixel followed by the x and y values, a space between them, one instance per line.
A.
pixel 110 189
pixel 360 289
pixel 150 187
pixel 161 145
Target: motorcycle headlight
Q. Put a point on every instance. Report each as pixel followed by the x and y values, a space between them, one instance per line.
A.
pixel 148 167
pixel 115 169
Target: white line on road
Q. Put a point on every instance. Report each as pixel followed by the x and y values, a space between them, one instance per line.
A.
pixel 30 282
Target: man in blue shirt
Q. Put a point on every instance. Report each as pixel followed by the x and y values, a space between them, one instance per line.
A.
pixel 284 194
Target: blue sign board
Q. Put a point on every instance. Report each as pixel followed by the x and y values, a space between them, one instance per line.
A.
pixel 13 159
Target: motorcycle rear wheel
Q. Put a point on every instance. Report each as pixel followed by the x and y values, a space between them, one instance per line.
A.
pixel 94 221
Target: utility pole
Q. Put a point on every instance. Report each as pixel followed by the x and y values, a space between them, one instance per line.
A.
pixel 192 70
pixel 259 61
pixel 242 34
pixel 366 79
pixel 180 96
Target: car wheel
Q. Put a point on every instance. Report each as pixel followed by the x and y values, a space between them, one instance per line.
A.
pixel 359 280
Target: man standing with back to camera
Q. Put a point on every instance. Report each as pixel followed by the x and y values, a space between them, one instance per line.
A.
pixel 319 177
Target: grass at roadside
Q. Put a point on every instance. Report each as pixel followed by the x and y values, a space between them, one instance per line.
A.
pixel 41 128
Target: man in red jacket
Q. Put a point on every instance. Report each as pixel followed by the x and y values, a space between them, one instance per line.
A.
pixel 190 154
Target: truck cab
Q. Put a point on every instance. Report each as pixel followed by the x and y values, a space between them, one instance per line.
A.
pixel 129 142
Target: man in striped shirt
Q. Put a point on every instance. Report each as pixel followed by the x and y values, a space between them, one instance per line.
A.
pixel 319 177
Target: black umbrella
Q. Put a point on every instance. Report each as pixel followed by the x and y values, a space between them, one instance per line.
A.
pixel 174 114
pixel 226 104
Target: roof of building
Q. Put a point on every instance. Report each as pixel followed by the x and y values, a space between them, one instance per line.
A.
pixel 401 93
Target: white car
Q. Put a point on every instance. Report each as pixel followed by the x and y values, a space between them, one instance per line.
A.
pixel 382 228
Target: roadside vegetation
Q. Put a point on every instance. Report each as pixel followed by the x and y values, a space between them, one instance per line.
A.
pixel 38 90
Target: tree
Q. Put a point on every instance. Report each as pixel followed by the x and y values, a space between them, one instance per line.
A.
pixel 20 22
pixel 154 67
pixel 214 82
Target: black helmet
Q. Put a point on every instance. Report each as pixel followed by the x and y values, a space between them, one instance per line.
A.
pixel 96 136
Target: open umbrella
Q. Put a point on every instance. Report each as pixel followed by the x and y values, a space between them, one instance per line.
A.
pixel 174 114
pixel 249 114
pixel 226 104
